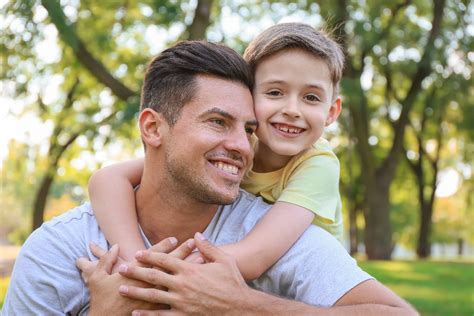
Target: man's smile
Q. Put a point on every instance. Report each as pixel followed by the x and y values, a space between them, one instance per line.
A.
pixel 226 167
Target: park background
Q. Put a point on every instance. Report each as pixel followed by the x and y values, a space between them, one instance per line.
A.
pixel 70 80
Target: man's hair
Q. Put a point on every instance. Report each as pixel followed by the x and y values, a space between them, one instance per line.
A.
pixel 170 79
pixel 298 35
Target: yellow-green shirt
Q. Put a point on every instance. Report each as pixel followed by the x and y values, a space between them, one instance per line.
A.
pixel 310 180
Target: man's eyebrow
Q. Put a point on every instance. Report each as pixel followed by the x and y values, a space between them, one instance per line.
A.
pixel 220 112
pixel 227 115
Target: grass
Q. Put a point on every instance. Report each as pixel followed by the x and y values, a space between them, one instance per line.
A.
pixel 3 289
pixel 432 287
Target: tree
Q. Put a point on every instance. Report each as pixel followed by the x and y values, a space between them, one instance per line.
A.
pixel 63 136
pixel 370 37
pixel 423 161
pixel 77 116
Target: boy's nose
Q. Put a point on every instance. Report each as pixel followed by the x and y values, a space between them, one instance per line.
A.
pixel 291 109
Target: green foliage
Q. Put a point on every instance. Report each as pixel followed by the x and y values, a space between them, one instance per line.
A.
pixel 433 288
pixel 384 45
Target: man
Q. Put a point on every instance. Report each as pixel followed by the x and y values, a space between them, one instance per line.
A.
pixel 196 120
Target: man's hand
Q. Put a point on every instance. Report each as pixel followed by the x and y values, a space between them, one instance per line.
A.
pixel 103 286
pixel 202 289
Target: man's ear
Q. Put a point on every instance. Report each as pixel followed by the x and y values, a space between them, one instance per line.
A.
pixel 152 126
pixel 334 111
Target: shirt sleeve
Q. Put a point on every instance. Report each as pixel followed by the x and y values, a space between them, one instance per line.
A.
pixel 314 185
pixel 45 280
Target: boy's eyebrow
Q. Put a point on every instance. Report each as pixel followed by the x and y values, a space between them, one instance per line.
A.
pixel 227 115
pixel 276 81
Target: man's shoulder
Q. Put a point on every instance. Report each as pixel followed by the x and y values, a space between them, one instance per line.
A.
pixel 46 265
pixel 75 224
pixel 70 232
pixel 75 215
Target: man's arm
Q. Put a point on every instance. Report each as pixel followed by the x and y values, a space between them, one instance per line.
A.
pixel 218 287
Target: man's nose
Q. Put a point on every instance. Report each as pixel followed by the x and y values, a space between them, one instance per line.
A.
pixel 239 143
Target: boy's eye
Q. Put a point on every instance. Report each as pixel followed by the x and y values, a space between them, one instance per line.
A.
pixel 312 98
pixel 273 93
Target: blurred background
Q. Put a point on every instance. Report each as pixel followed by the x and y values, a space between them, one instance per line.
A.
pixel 70 78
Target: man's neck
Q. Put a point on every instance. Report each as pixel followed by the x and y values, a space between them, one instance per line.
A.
pixel 163 214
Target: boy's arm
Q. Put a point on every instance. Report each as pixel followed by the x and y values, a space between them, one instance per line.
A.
pixel 113 201
pixel 273 235
pixel 312 186
pixel 219 284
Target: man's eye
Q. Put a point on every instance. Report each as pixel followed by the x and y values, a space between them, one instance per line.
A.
pixel 249 130
pixel 217 121
pixel 313 98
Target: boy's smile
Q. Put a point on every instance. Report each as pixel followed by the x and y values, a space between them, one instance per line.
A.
pixel 294 101
pixel 288 130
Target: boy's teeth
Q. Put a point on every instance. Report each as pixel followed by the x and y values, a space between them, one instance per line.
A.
pixel 227 168
pixel 293 130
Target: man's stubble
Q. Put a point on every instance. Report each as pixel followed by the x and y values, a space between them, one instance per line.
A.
pixel 188 182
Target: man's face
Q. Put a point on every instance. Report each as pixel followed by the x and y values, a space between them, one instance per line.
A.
pixel 208 150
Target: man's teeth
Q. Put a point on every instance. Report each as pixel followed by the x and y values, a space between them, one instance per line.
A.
pixel 286 129
pixel 227 168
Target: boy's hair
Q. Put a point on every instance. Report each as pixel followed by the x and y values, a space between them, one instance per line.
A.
pixel 298 35
pixel 170 79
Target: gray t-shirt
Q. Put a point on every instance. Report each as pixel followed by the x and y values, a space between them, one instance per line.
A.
pixel 45 281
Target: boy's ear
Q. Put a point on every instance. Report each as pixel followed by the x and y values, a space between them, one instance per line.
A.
pixel 152 127
pixel 334 111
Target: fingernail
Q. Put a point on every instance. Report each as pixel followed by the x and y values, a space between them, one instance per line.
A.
pixel 123 289
pixel 123 268
pixel 135 313
pixel 173 241
pixel 200 236
pixel 191 244
pixel 139 254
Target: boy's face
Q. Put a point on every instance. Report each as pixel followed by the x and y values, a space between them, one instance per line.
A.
pixel 294 101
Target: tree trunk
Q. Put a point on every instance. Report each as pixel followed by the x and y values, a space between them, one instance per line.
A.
pixel 353 231
pixel 378 232
pixel 39 203
pixel 460 246
pixel 202 15
pixel 423 249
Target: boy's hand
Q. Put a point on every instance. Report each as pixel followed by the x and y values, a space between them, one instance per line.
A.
pixel 195 257
pixel 211 288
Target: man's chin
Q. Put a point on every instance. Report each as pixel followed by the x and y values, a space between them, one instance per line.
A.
pixel 225 198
